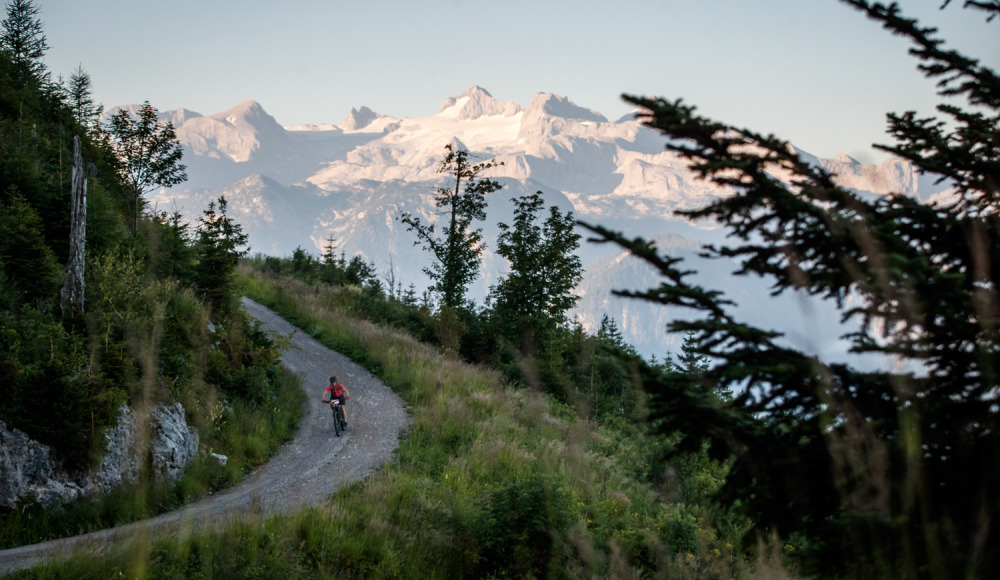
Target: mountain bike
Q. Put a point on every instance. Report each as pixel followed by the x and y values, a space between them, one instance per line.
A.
pixel 339 424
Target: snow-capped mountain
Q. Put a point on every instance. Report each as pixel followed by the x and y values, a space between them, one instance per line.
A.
pixel 299 185
pixel 368 121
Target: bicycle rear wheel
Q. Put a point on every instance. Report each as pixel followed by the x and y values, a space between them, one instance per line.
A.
pixel 336 421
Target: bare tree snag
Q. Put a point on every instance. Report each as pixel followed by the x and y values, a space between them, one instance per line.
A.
pixel 72 291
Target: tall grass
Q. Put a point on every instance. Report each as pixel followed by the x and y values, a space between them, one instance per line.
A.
pixel 247 434
pixel 489 481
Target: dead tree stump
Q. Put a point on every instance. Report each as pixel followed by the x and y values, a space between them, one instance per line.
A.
pixel 72 291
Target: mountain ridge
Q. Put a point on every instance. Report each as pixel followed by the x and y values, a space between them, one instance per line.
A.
pixel 352 181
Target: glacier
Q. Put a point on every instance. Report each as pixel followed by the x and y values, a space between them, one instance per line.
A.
pixel 296 186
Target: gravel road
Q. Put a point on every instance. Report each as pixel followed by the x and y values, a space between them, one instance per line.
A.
pixel 304 471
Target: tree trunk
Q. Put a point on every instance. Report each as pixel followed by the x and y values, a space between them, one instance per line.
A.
pixel 72 291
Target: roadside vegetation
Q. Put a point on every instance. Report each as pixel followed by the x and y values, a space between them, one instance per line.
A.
pixel 154 318
pixel 491 480
pixel 246 433
pixel 537 449
pixel 854 473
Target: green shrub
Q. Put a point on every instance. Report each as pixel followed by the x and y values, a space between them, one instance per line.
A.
pixel 514 533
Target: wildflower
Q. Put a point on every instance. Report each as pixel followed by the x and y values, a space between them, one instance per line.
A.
pixel 690 555
pixel 790 547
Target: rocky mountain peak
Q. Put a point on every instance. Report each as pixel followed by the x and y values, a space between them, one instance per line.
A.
pixel 476 102
pixel 359 119
pixel 845 158
pixel 249 115
pixel 557 106
pixel 177 116
pixel 249 107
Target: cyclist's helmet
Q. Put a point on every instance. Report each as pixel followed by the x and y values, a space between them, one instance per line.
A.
pixel 333 380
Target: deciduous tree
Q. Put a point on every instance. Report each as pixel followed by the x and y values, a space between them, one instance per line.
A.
pixel 543 271
pixel 147 151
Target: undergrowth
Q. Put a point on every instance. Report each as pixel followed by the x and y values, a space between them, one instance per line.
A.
pixel 489 481
pixel 246 432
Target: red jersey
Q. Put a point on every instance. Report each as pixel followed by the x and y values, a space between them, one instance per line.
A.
pixel 336 388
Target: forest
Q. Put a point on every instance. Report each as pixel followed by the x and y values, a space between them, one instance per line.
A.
pixel 156 322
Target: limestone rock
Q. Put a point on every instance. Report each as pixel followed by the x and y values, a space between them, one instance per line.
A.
pixel 55 491
pixel 174 442
pixel 222 459
pixel 30 471
pixel 124 454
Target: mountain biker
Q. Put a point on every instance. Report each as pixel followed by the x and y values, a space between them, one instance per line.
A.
pixel 338 391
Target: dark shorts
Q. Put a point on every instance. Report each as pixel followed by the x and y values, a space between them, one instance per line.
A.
pixel 341 398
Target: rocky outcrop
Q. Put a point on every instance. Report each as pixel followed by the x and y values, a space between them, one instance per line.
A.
pixel 124 454
pixel 29 471
pixel 174 442
pixel 32 472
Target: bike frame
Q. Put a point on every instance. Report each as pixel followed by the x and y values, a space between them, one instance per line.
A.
pixel 338 417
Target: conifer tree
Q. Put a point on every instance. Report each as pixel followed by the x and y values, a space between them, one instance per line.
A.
pixel 26 258
pixel 609 334
pixel 410 296
pixel 220 240
pixel 890 474
pixel 23 39
pixel 359 272
pixel 329 255
pixel 458 250
pixel 177 252
pixel 301 260
pixel 81 99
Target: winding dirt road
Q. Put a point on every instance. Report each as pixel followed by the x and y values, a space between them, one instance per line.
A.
pixel 303 472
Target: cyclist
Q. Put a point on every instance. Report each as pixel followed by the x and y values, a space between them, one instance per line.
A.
pixel 337 391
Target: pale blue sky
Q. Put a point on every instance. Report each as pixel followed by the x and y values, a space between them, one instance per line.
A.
pixel 814 72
